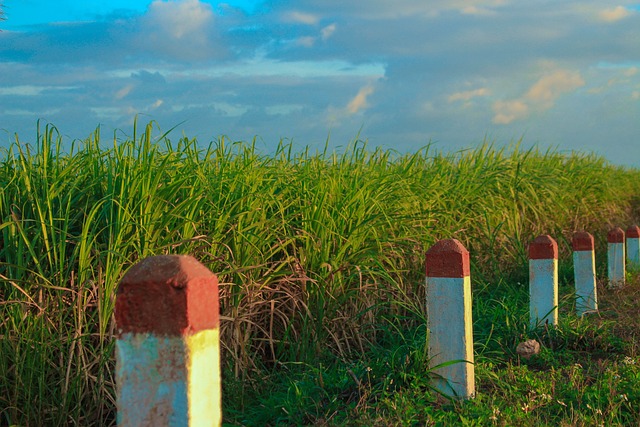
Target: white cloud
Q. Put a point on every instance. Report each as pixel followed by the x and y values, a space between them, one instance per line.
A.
pixel 181 18
pixel 474 7
pixel 31 90
pixel 30 113
pixel 307 41
pixel 468 95
pixel 359 102
pixel 508 111
pixel 109 113
pixel 126 90
pixel 310 41
pixel 301 17
pixel 179 29
pixel 230 110
pixel 328 31
pixel 615 76
pixel 22 90
pixel 261 67
pixel 546 90
pixel 389 10
pixel 224 109
pixel 614 14
pixel 473 10
pixel 540 96
pixel 283 109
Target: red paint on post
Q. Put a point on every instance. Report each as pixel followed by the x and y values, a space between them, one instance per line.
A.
pixel 582 241
pixel 167 295
pixel 447 258
pixel 616 235
pixel 543 247
pixel 633 232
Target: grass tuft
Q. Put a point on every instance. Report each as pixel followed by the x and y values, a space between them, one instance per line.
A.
pixel 321 262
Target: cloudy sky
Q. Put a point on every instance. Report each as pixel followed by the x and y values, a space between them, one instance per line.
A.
pixel 399 74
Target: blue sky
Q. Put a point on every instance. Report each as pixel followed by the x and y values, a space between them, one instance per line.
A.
pixel 399 74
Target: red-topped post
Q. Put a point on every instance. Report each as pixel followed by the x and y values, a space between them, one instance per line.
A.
pixel 615 257
pixel 543 281
pixel 167 344
pixel 449 318
pixel 633 246
pixel 584 271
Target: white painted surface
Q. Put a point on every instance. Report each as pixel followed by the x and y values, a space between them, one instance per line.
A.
pixel 633 252
pixel 584 268
pixel 169 381
pixel 152 380
pixel 543 292
pixel 451 334
pixel 616 264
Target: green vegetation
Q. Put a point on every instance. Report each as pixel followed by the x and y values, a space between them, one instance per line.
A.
pixel 321 261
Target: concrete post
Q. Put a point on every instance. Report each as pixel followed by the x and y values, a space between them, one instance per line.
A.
pixel 449 318
pixel 543 281
pixel 633 247
pixel 167 344
pixel 615 257
pixel 584 271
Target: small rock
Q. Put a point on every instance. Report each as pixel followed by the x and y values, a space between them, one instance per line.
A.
pixel 528 348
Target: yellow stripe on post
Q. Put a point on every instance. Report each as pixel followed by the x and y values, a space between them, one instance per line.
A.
pixel 167 344
pixel 204 378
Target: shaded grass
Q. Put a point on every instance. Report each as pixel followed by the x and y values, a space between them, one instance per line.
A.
pixel 319 254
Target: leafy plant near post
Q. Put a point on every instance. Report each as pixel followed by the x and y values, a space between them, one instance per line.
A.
pixel 320 256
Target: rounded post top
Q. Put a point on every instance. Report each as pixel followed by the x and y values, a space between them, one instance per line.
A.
pixel 447 258
pixel 543 247
pixel 167 295
pixel 633 232
pixel 615 235
pixel 582 241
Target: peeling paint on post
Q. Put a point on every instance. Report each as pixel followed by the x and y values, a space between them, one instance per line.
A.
pixel 615 257
pixel 543 281
pixel 449 318
pixel 167 347
pixel 584 270
pixel 633 246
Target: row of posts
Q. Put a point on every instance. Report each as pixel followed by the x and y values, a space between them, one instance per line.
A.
pixel 449 296
pixel 168 341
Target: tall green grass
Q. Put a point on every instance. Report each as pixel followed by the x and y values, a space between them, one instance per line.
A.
pixel 320 254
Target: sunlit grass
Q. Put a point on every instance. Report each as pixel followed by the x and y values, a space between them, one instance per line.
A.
pixel 320 255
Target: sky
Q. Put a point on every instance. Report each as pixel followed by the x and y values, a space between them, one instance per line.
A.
pixel 399 74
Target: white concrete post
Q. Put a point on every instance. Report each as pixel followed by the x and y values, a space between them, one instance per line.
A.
pixel 615 257
pixel 633 247
pixel 449 319
pixel 543 281
pixel 584 271
pixel 167 344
